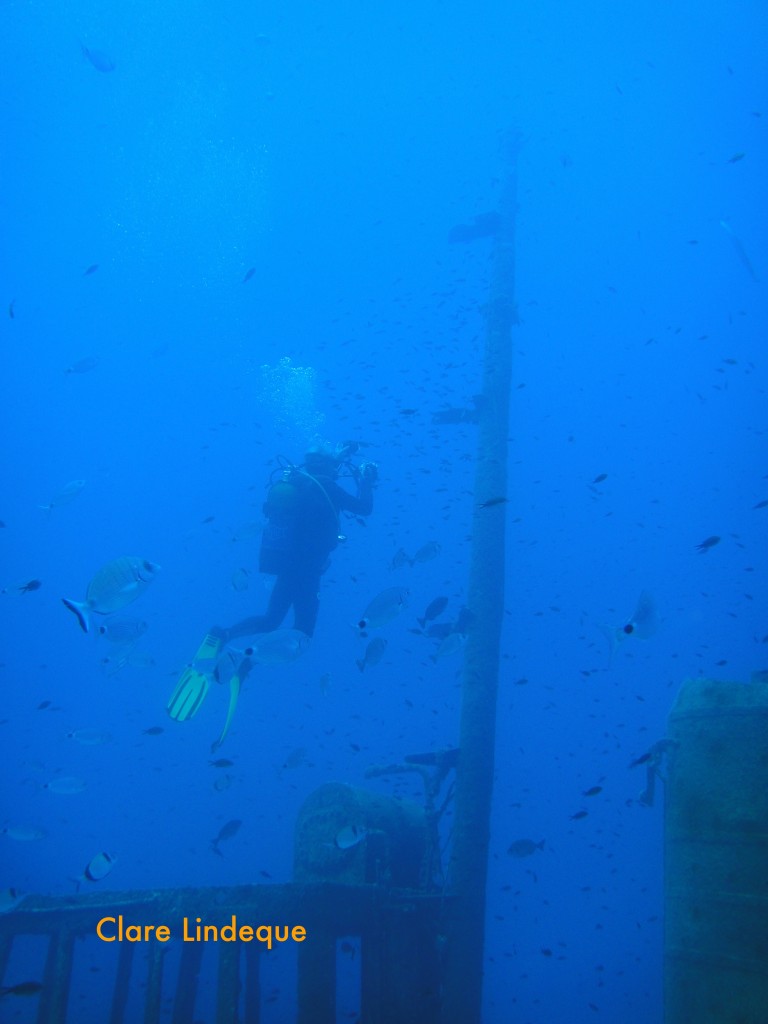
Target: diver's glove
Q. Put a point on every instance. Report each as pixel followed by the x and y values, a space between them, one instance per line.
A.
pixel 369 473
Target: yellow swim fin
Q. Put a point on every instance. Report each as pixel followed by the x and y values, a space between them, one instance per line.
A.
pixel 186 700
pixel 235 684
pixel 192 687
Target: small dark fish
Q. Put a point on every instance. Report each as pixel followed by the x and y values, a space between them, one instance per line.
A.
pixel 707 544
pixel 44 704
pixel 643 759
pixel 545 951
pixel 592 791
pixel 90 270
pixel 208 519
pixel 599 478
pixel 248 275
pixel 153 730
pixel 24 988
pixel 83 365
pixel 11 305
pixel 524 847
pixel 492 501
pixel 736 157
pixel 221 762
pixel 760 504
pixel 579 815
pixel 225 832
pixel 433 609
pixel 98 59
pixel 24 588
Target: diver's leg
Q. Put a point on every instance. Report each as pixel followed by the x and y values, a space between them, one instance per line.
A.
pixel 306 603
pixel 279 603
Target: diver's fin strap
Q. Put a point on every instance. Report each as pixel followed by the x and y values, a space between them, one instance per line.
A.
pixel 209 648
pixel 187 699
pixel 235 684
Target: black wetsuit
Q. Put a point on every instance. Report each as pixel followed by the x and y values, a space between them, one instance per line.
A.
pixel 296 550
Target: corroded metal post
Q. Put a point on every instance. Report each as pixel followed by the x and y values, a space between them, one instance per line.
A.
pixel 464 925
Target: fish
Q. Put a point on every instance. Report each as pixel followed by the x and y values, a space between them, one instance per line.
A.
pixel 278 647
pixel 98 867
pixel 123 631
pixel 644 621
pixel 524 847
pixel 222 782
pixel 490 502
pixel 399 559
pixel 325 683
pixel 84 365
pixel 222 762
pixel 10 898
pixel 12 309
pixel 485 225
pixel 450 644
pixel 433 609
pixel 592 791
pixel 426 552
pixel 374 652
pixel 296 758
pixel 23 833
pixel 740 252
pixel 153 730
pixel 89 737
pixel 599 478
pixel 240 580
pixel 248 274
pixel 25 588
pixel 227 831
pixel 349 836
pixel 98 59
pixel 115 585
pixel 707 543
pixel 383 608
pixel 23 988
pixel 761 504
pixel 90 270
pixel 579 815
pixel 66 785
pixel 68 493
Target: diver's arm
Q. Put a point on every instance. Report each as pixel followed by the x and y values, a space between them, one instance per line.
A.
pixel 360 504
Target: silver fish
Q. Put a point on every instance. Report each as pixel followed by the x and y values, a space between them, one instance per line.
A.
pixel 349 836
pixel 115 585
pixel 68 493
pixel 89 737
pixel 278 647
pixel 123 631
pixel 83 365
pixel 98 867
pixel 383 608
pixel 524 847
pixel 426 552
pixel 23 833
pixel 374 652
pixel 65 785
pixel 449 645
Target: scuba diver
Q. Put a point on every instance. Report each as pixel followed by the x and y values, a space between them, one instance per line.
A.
pixel 303 510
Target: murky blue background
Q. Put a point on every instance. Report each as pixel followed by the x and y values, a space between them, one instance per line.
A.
pixel 330 147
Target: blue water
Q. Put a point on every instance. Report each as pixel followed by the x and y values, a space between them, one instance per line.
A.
pixel 330 148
